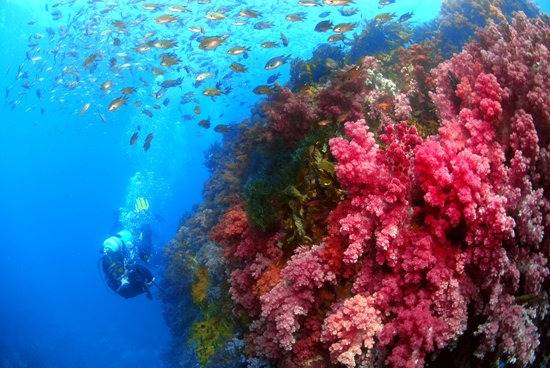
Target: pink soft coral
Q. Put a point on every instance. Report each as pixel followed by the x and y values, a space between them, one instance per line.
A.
pixel 291 299
pixel 351 329
pixel 377 223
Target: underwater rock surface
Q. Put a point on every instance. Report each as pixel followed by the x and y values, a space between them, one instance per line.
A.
pixel 398 214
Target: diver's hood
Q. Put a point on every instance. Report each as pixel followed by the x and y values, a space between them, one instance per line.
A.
pixel 112 244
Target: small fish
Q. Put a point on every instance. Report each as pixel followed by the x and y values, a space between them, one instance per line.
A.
pixel 168 60
pixel 238 68
pixel 405 36
pixel 147 112
pixel 238 50
pixel 308 3
pixel 56 14
pixel 178 9
pixel 151 7
pixel 158 94
pixel 383 3
pixel 119 24
pixel 187 97
pixel 212 15
pixel 324 14
pixel 165 44
pixel 275 62
pixel 90 60
pixel 248 13
pixel 348 12
pixel 323 26
pixel 269 45
pixel 338 2
pixel 222 128
pixel 106 86
pixel 331 63
pixel 405 17
pixel 284 40
pixel 170 83
pixel 201 77
pixel 166 101
pixel 195 29
pixel 384 17
pixel 117 103
pixel 166 19
pixel 197 110
pixel 336 37
pixel 134 138
pixel 205 123
pixel 344 27
pixel 211 43
pixel 263 90
pixel 144 47
pixel 85 108
pixel 263 25
pixel 148 140
pixel 273 78
pixel 157 71
pixel 215 91
pixel 296 17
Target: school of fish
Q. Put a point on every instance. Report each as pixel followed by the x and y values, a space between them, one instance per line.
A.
pixel 107 59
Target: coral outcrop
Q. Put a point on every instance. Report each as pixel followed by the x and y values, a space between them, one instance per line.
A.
pixel 397 215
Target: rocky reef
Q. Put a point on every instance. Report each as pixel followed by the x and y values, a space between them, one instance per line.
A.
pixel 397 214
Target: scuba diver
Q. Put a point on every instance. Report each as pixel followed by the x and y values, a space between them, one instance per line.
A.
pixel 120 263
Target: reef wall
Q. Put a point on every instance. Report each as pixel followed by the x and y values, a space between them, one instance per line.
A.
pixel 398 214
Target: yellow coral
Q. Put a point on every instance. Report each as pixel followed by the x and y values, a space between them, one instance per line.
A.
pixel 209 335
pixel 199 289
pixel 425 128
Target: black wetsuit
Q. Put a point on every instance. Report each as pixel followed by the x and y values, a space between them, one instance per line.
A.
pixel 138 276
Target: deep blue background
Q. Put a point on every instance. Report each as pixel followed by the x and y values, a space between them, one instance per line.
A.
pixel 62 177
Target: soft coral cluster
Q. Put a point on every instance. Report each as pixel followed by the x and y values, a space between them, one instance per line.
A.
pixel 436 236
pixel 413 277
pixel 467 236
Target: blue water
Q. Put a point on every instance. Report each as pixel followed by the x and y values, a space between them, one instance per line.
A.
pixel 62 179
